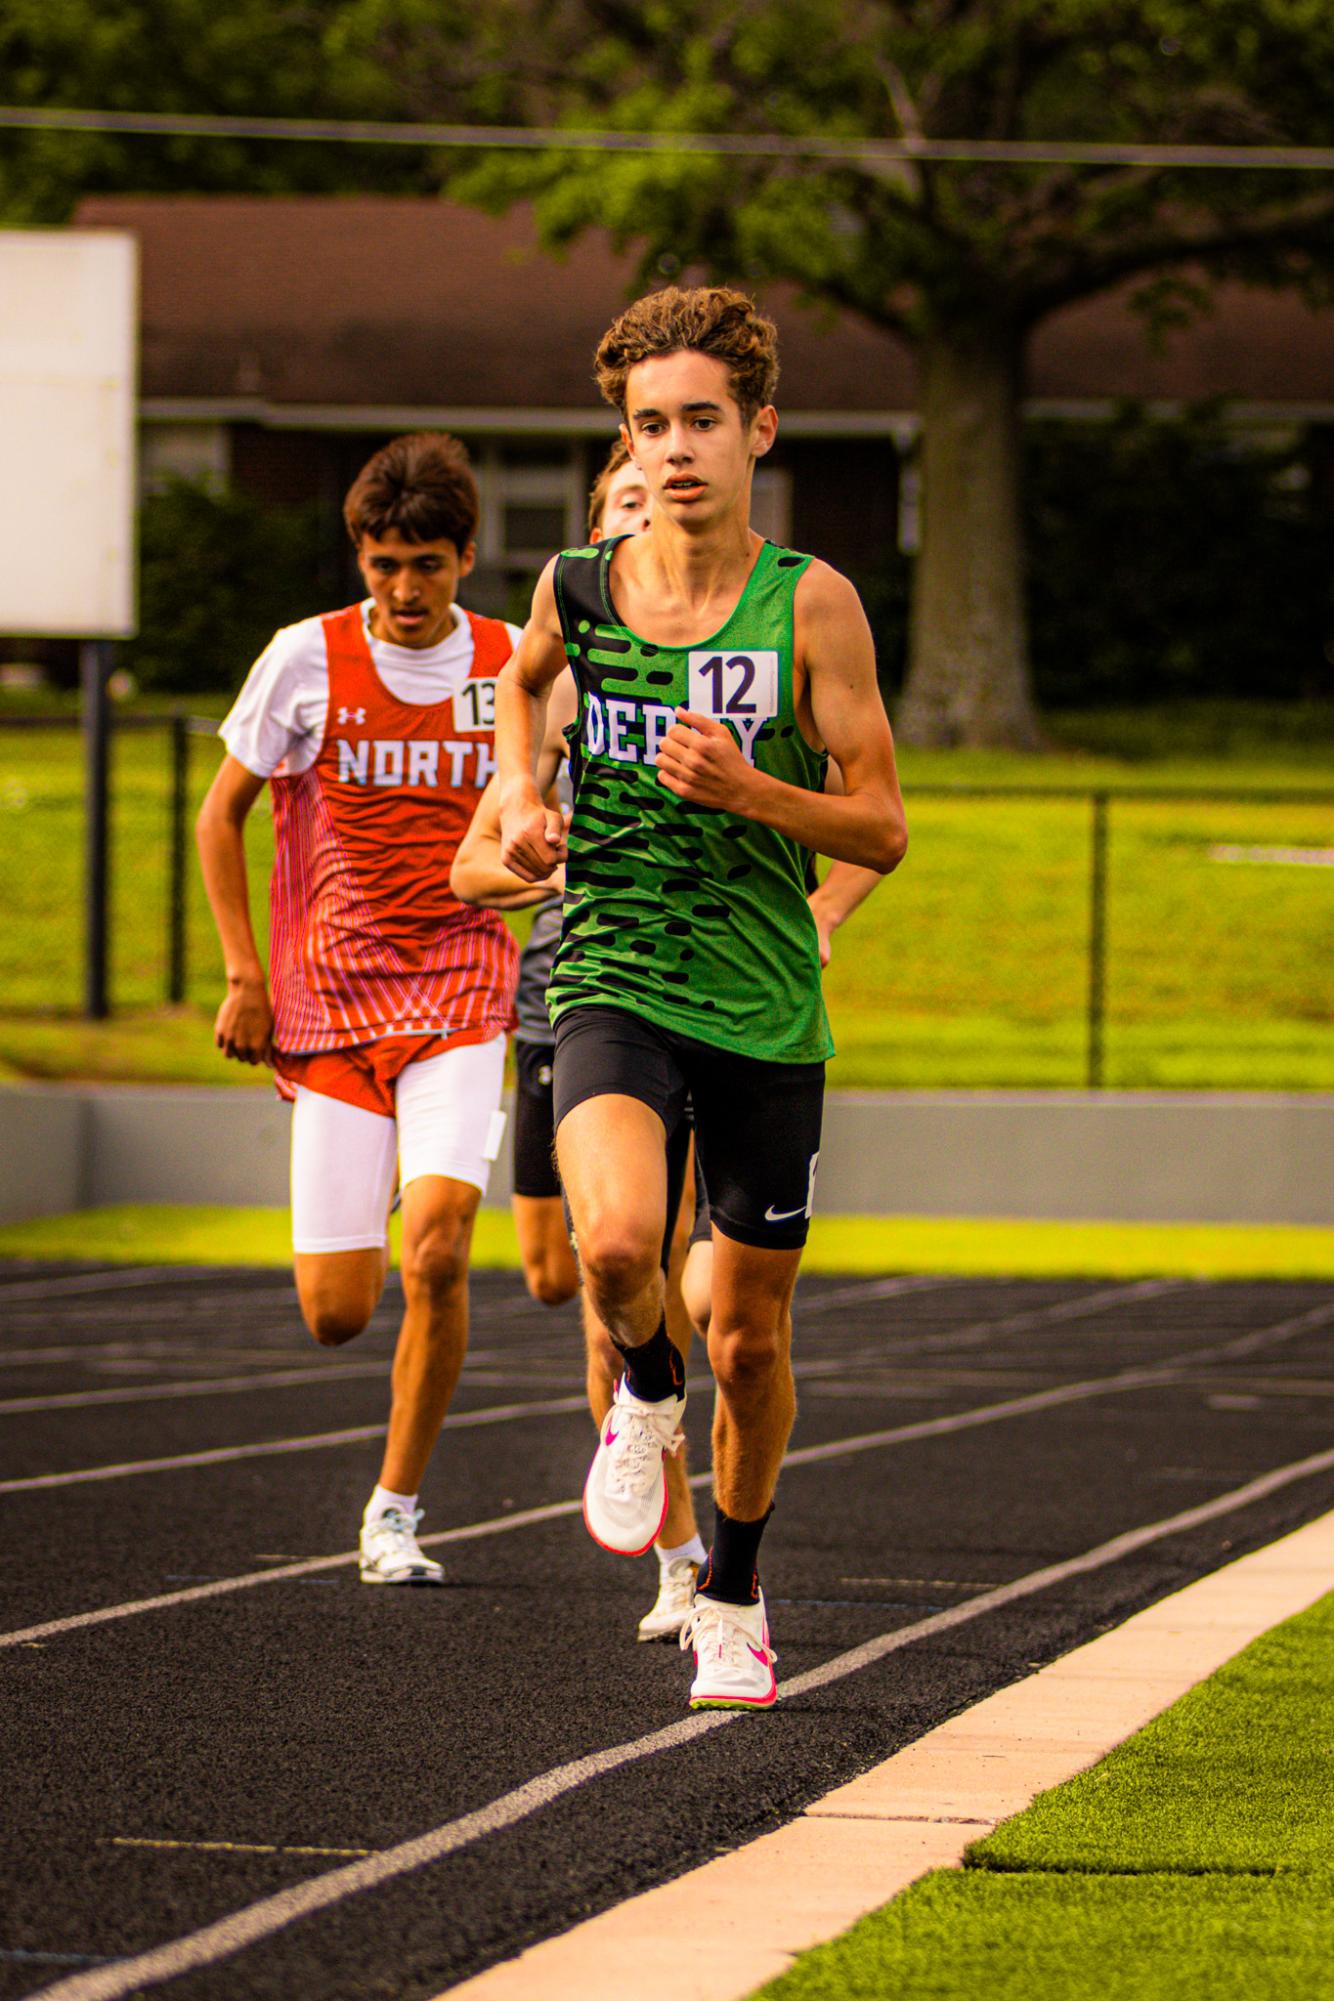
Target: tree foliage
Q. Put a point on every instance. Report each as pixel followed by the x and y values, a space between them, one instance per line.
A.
pixel 927 244
pixel 906 246
pixel 960 260
pixel 251 58
pixel 218 574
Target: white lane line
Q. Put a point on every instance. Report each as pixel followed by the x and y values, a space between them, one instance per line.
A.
pixel 809 1455
pixel 255 1922
pixel 1165 1373
pixel 74 1282
pixel 1098 1558
pixel 119 1277
pixel 185 1350
pixel 183 1353
pixel 241 1301
pixel 216 1386
pixel 309 1566
pixel 873 1288
pixel 1065 1309
pixel 182 1310
pixel 99 1354
pixel 319 1441
pixel 738 1920
pixel 554 1511
pixel 232 1847
pixel 1080 1308
pixel 893 1347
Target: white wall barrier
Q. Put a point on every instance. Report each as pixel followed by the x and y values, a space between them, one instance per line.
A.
pixel 1142 1156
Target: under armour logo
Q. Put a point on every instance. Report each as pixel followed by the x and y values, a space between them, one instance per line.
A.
pixel 351 715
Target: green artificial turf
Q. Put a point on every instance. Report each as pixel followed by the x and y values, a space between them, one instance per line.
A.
pixel 1055 1938
pixel 161 1233
pixel 1238 1776
pixel 1195 1861
pixel 968 968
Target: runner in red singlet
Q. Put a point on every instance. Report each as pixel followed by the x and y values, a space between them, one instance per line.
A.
pixel 385 1010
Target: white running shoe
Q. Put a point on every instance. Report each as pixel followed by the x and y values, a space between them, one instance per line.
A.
pixel 390 1553
pixel 625 1494
pixel 733 1658
pixel 676 1595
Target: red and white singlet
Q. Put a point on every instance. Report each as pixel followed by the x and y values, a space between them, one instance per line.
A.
pixel 366 939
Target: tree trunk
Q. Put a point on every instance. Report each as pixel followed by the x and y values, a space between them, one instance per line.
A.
pixel 968 675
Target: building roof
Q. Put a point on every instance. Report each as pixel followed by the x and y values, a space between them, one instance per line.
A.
pixel 380 311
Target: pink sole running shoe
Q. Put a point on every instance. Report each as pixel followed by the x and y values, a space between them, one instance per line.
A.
pixel 625 1494
pixel 734 1662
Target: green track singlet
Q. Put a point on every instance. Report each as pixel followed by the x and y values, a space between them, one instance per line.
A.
pixel 692 919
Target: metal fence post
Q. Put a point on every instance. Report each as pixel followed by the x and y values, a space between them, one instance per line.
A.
pixel 94 666
pixel 180 776
pixel 1097 974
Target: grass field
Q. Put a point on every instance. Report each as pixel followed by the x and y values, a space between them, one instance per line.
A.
pixel 1195 1860
pixel 969 968
pixel 157 1233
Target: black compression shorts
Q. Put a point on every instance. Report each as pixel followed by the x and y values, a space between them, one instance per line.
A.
pixel 534 1128
pixel 535 1139
pixel 757 1124
pixel 701 1230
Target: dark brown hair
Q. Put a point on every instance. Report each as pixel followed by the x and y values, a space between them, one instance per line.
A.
pixel 617 457
pixel 420 487
pixel 709 319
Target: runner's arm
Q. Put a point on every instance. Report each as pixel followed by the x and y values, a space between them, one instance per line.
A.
pixel 478 875
pixel 244 1026
pixel 701 761
pixel 532 834
pixel 844 889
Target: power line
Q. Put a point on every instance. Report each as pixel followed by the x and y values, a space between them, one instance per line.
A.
pixel 760 145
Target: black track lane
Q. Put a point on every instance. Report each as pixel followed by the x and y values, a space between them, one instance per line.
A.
pixel 319 1713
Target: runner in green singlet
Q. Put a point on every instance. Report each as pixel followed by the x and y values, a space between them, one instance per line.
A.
pixel 716 673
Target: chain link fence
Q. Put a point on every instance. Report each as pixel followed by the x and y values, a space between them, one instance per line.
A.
pixel 161 947
pixel 1046 937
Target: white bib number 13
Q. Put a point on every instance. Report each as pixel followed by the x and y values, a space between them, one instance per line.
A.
pixel 736 688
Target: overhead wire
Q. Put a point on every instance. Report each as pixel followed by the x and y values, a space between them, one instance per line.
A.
pixel 758 145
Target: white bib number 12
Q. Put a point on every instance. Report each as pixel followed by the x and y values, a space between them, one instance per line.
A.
pixel 736 688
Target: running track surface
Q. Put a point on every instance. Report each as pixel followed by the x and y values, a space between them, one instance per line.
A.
pixel 233 1773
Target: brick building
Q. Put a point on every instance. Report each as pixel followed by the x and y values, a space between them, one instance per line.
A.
pixel 284 339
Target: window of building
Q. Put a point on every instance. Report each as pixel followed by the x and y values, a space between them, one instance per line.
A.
pixel 532 503
pixel 199 453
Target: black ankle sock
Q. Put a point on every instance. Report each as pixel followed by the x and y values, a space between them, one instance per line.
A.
pixel 654 1370
pixel 732 1571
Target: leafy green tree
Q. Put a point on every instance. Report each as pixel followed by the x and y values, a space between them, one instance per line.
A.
pixel 962 261
pixel 218 574
pixel 247 58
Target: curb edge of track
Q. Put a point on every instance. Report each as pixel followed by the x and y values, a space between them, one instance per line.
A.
pixel 722 1930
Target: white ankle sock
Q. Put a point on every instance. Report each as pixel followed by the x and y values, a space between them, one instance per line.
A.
pixel 381 1499
pixel 694 1549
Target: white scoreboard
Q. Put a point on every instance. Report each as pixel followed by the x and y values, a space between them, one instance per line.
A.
pixel 68 390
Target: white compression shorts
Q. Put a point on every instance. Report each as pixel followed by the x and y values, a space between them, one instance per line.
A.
pixel 447 1121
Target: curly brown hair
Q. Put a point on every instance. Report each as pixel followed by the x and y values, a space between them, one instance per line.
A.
pixel 708 319
pixel 420 486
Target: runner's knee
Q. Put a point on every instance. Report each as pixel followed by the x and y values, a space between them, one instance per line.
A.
pixel 550 1278
pixel 745 1359
pixel 436 1263
pixel 333 1322
pixel 619 1263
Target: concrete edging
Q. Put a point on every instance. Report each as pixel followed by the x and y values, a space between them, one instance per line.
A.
pixel 1116 1156
pixel 720 1931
